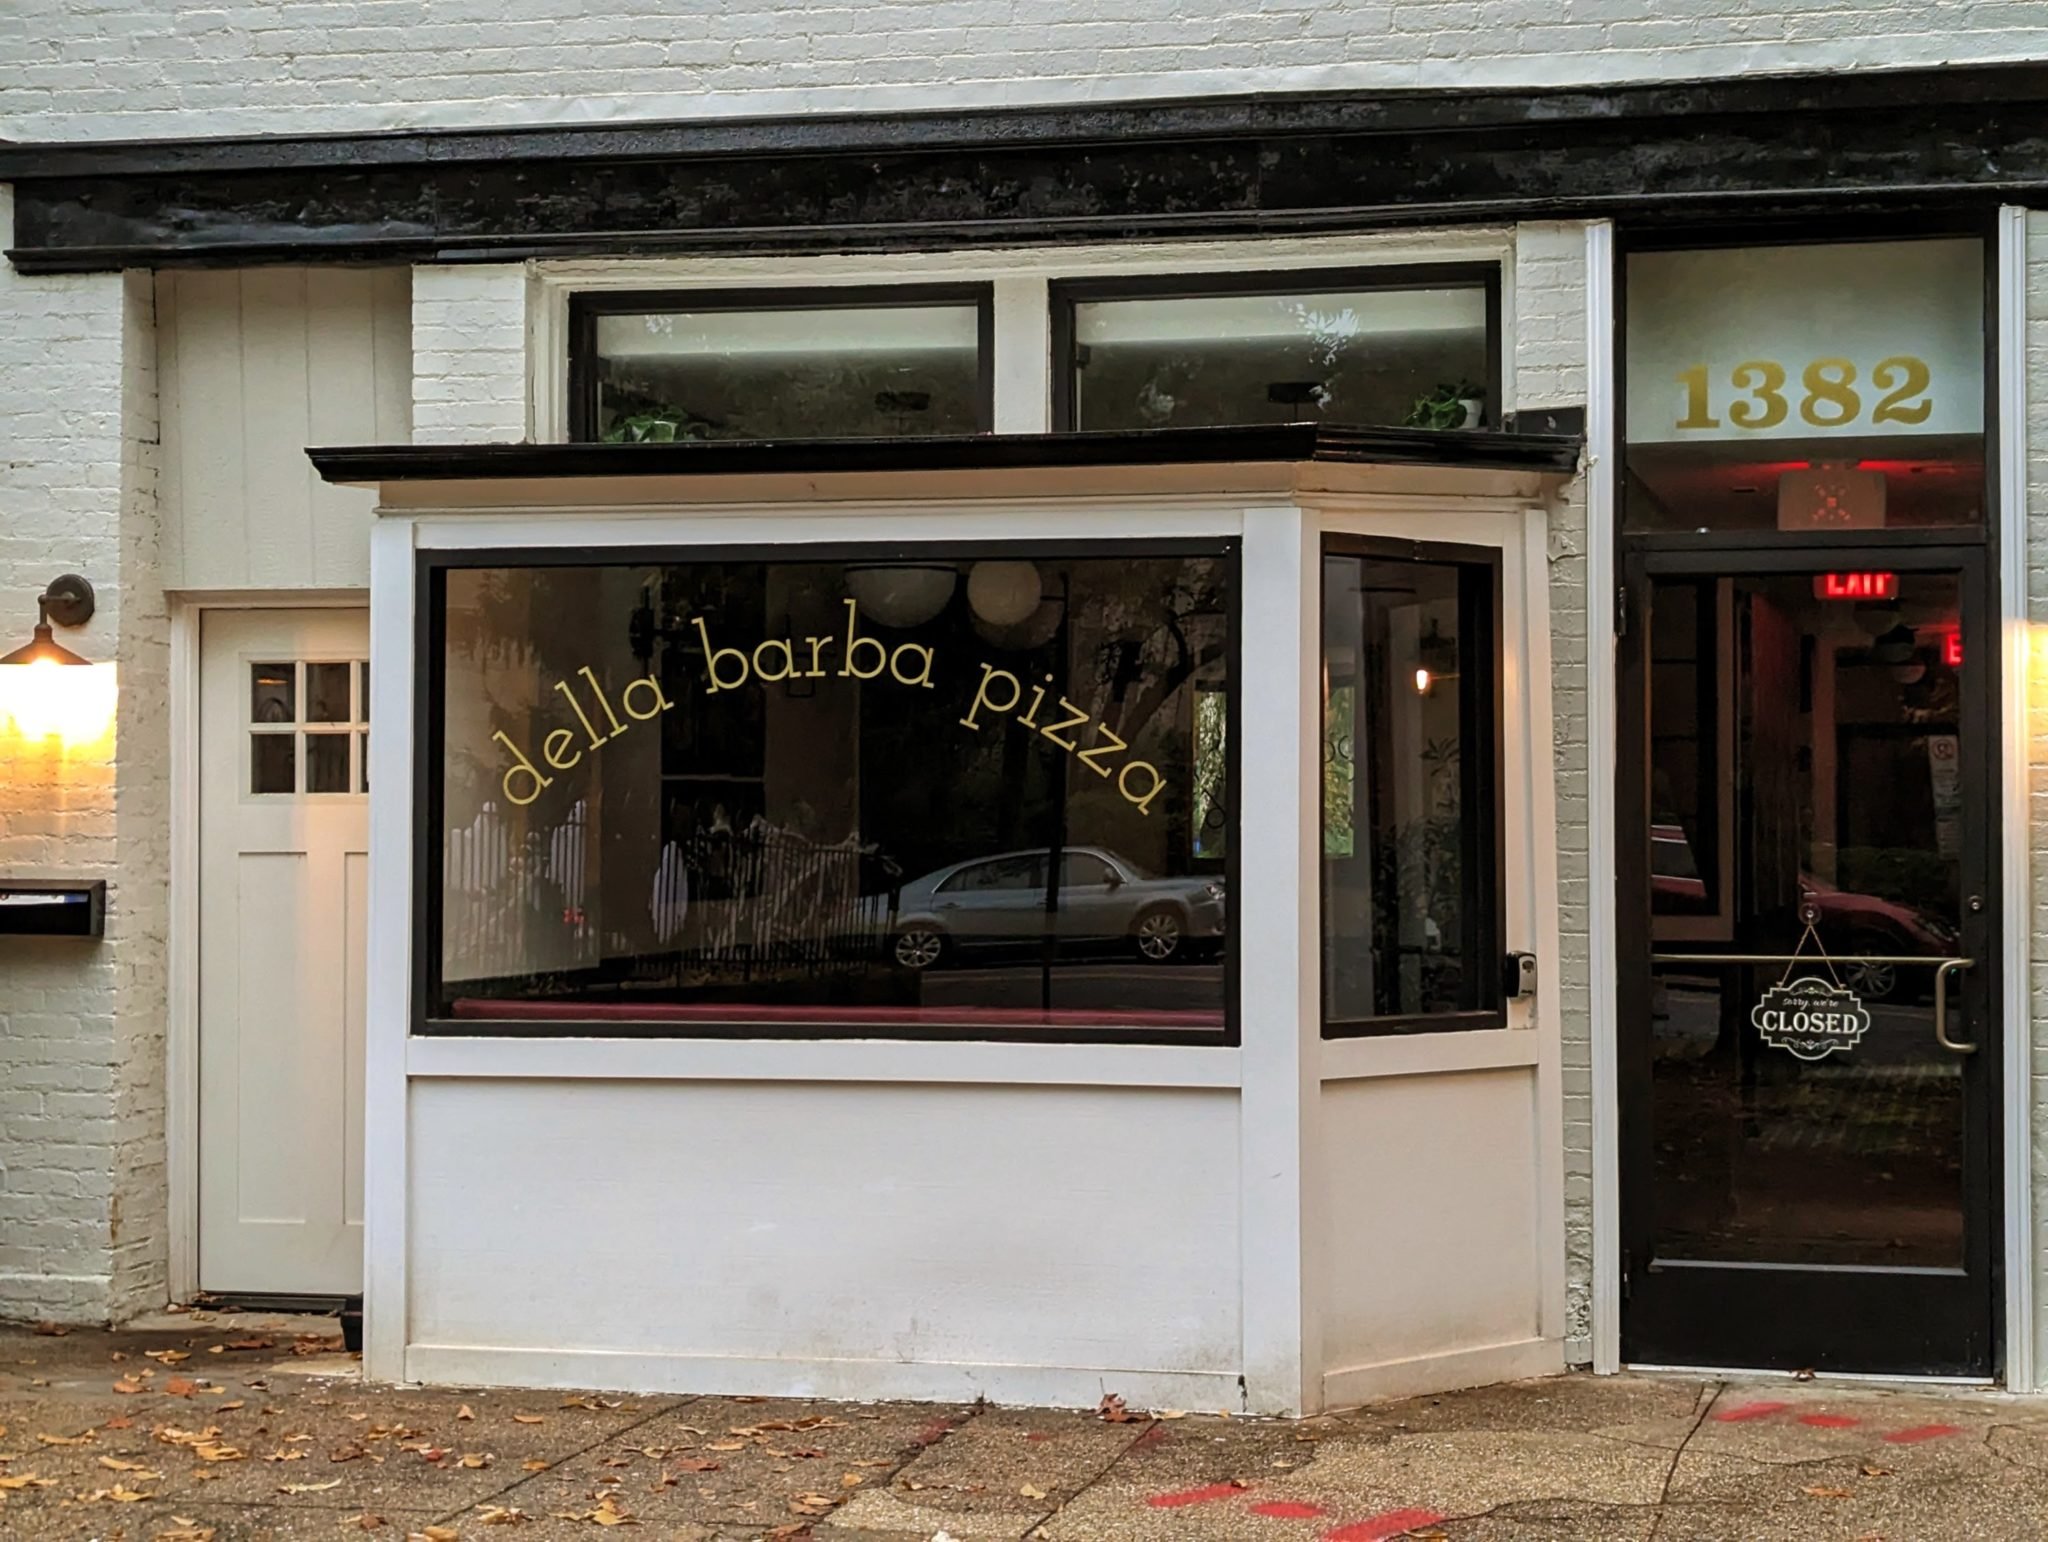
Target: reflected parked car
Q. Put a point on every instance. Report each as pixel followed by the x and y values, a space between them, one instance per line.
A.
pixel 1105 902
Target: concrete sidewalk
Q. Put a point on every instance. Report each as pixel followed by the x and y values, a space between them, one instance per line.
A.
pixel 221 1429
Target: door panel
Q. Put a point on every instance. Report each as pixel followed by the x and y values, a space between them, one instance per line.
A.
pixel 1806 862
pixel 283 853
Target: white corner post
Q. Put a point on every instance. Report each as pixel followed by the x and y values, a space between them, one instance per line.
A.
pixel 2016 911
pixel 1602 964
pixel 1277 922
pixel 393 670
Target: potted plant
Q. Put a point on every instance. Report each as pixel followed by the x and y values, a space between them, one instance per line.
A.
pixel 1451 405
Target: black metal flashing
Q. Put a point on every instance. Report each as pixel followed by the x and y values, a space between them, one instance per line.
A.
pixel 1256 444
pixel 1322 161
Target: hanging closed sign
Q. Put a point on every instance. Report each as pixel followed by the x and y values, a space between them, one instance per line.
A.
pixel 1856 340
pixel 1811 1017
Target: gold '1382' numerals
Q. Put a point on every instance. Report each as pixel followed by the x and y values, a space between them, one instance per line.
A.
pixel 1828 396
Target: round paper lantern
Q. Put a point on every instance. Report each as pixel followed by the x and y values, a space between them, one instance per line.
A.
pixel 902 594
pixel 1004 593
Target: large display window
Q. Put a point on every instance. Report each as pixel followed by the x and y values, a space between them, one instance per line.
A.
pixel 961 793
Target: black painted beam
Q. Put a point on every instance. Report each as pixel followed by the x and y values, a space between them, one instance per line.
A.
pixel 1474 449
pixel 1899 141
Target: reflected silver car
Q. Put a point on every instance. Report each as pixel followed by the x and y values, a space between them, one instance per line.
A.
pixel 1104 902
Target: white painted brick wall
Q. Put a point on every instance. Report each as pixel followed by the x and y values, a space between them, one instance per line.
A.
pixel 72 69
pixel 1549 359
pixel 82 1209
pixel 469 354
pixel 2037 739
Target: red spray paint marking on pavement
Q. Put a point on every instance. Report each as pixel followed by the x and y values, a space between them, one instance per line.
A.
pixel 1913 1437
pixel 1394 1523
pixel 1829 1421
pixel 1749 1411
pixel 1196 1496
pixel 1287 1510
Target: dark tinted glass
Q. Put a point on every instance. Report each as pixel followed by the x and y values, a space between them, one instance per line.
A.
pixel 1409 776
pixel 830 794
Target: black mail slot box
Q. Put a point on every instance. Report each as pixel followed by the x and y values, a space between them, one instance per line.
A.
pixel 57 907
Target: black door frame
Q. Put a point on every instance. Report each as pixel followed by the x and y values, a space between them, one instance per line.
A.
pixel 1919 1322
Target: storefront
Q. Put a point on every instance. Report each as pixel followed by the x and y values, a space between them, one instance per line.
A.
pixel 1254 755
pixel 876 902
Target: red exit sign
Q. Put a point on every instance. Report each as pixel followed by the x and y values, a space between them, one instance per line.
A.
pixel 1856 586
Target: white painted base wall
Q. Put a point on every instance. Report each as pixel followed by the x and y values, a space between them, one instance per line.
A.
pixel 1034 1244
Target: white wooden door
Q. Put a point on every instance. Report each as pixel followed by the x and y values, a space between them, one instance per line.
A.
pixel 283 872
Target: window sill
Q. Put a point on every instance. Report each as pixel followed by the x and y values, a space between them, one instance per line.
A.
pixel 1423 1054
pixel 841 1060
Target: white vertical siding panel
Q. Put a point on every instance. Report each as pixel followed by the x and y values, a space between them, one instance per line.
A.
pixel 277 490
pixel 206 426
pixel 341 408
pixel 256 366
pixel 391 340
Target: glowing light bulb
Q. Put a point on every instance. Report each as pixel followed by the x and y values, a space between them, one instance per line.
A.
pixel 49 701
pixel 1422 682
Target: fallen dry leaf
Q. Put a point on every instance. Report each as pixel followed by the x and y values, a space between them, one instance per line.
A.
pixel 219 1451
pixel 812 1504
pixel 501 1515
pixel 308 1488
pixel 533 1464
pixel 168 1356
pixel 465 1412
pixel 366 1522
pixel 67 1440
pixel 1872 1470
pixel 434 1534
pixel 51 1330
pixel 607 1513
pixel 1826 1491
pixel 128 1386
pixel 1032 1491
pixel 184 1531
pixel 726 1445
pixel 25 1480
pixel 475 1459
pixel 115 1464
pixel 178 1386
pixel 1111 1410
pixel 527 1419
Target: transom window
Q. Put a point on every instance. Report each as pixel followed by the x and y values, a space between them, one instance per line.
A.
pixel 672 366
pixel 309 726
pixel 1394 346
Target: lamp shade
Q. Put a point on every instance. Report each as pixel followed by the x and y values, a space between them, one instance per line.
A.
pixel 902 594
pixel 42 648
pixel 1004 593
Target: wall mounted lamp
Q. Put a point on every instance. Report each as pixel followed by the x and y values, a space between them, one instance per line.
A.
pixel 48 694
pixel 67 602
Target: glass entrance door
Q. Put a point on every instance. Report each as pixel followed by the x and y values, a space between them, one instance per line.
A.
pixel 1807 1045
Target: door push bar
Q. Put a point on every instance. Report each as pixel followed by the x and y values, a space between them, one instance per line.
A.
pixel 1943 968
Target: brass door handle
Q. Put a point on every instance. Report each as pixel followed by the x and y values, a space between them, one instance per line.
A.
pixel 1947 967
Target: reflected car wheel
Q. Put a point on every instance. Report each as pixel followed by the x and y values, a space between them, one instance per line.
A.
pixel 1158 936
pixel 918 947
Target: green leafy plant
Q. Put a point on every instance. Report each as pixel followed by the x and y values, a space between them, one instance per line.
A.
pixel 1445 406
pixel 652 428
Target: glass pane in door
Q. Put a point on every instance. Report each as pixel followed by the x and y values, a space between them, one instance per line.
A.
pixel 1806 758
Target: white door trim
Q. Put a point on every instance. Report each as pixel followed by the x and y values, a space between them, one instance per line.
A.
pixel 181 1042
pixel 1602 965
pixel 2015 907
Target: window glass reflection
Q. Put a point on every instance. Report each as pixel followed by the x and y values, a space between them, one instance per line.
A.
pixel 959 794
pixel 794 372
pixel 1408 775
pixel 1344 355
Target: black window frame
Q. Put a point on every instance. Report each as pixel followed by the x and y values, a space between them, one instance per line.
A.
pixel 1482 787
pixel 587 305
pixel 1066 293
pixel 428 843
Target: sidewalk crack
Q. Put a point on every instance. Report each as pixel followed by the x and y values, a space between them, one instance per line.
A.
pixel 531 1477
